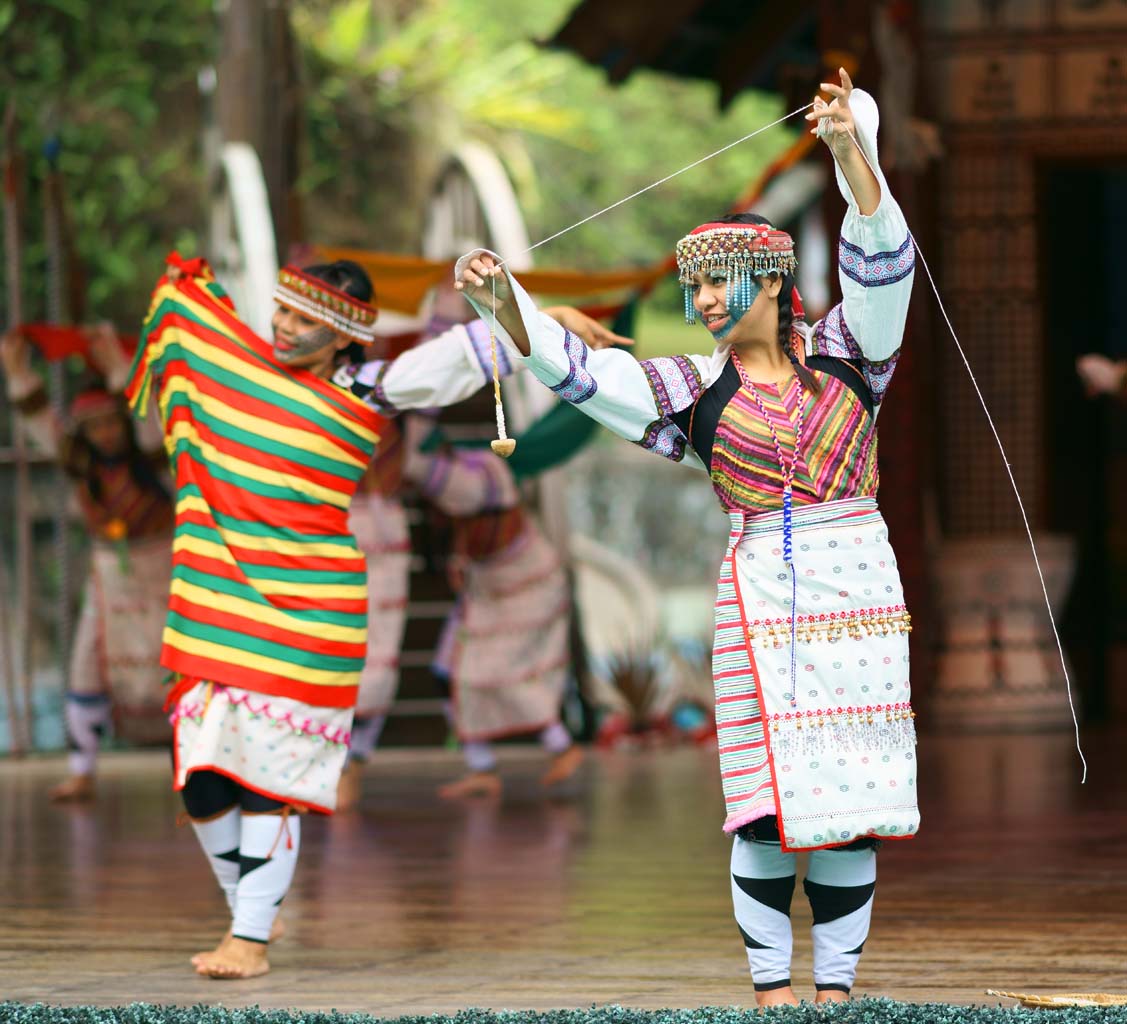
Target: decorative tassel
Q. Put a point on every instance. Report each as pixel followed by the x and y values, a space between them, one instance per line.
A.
pixel 866 730
pixel 504 445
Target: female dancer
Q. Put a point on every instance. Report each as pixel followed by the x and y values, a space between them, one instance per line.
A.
pixel 120 479
pixel 504 650
pixel 267 611
pixel 817 743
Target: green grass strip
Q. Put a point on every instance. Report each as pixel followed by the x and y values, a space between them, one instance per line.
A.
pixel 860 1011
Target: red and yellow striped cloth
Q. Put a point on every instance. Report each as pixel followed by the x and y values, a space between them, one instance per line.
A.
pixel 268 587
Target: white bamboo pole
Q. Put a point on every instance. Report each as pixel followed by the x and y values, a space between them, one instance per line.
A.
pixel 15 666
pixel 58 313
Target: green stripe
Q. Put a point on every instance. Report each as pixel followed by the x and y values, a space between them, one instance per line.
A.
pixel 258 528
pixel 234 588
pixel 298 656
pixel 254 571
pixel 185 447
pixel 243 384
pixel 171 306
pixel 347 471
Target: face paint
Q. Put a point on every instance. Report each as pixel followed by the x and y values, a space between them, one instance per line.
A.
pixel 305 344
pixel 740 293
pixel 744 291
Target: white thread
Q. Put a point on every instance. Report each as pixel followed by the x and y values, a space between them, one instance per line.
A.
pixel 500 409
pixel 1009 473
pixel 662 181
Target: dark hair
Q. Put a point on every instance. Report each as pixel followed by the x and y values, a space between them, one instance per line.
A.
pixel 80 459
pixel 352 279
pixel 786 313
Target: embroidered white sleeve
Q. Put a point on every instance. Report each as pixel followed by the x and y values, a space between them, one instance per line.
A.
pixel 439 372
pixel 876 258
pixel 635 400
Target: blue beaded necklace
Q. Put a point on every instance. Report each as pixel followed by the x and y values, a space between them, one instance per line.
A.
pixel 787 471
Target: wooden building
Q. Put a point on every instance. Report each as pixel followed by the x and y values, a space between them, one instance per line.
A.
pixel 1003 132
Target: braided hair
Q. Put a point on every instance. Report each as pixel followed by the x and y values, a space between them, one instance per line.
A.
pixel 786 311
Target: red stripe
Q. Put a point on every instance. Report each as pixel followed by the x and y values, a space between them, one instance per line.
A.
pixel 740 772
pixel 238 503
pixel 253 627
pixel 347 605
pixel 270 412
pixel 224 570
pixel 333 696
pixel 352 561
pixel 736 723
pixel 737 747
pixel 244 338
pixel 286 602
pixel 258 457
pixel 253 556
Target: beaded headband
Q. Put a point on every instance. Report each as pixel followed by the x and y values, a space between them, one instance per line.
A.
pixel 88 405
pixel 757 248
pixel 319 301
pixel 745 251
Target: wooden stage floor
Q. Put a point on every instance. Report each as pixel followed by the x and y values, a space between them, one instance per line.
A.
pixel 617 893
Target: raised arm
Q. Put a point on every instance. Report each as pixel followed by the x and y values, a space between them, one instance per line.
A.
pixel 876 257
pixel 634 399
pixel 109 358
pixel 28 395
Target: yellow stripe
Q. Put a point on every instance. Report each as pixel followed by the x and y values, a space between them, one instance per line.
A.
pixel 185 430
pixel 237 657
pixel 288 588
pixel 312 440
pixel 278 380
pixel 275 545
pixel 267 615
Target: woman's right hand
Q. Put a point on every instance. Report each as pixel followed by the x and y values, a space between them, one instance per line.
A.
pixel 485 283
pixel 15 355
pixel 482 279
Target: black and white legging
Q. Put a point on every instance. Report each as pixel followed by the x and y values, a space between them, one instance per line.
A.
pixel 839 884
pixel 251 842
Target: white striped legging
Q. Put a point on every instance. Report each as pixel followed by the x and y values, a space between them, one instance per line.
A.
pixel 839 885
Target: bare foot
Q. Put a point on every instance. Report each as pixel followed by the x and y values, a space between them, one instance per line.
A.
pixel 776 997
pixel 483 784
pixel 563 766
pixel 831 995
pixel 277 931
pixel 348 789
pixel 76 789
pixel 236 958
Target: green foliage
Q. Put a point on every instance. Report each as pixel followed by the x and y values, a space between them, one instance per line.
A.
pixel 861 1011
pixel 387 78
pixel 389 86
pixel 114 85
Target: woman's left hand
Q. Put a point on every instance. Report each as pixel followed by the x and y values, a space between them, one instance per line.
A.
pixel 588 328
pixel 1100 375
pixel 835 120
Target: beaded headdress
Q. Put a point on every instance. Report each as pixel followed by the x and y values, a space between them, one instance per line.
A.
pixel 319 301
pixel 745 251
pixel 92 403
